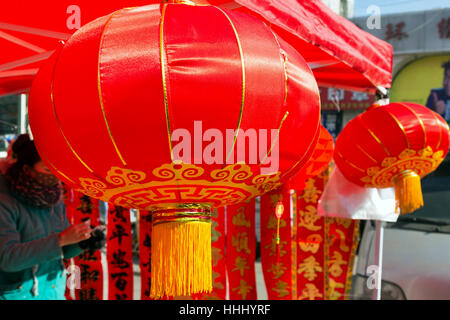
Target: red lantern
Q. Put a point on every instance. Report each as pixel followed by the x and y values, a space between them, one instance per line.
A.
pixel 320 159
pixel 108 109
pixel 393 145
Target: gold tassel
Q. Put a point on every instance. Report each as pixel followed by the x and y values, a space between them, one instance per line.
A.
pixel 181 251
pixel 408 192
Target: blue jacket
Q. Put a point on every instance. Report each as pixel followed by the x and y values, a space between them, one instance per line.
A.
pixel 31 264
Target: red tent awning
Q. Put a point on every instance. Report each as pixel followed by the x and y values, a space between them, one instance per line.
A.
pixel 339 53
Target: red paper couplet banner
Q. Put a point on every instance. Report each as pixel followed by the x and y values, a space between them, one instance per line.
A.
pixel 326 247
pixel 145 252
pixel 119 253
pixel 340 253
pixel 276 258
pixel 218 256
pixel 311 239
pixel 89 264
pixel 241 251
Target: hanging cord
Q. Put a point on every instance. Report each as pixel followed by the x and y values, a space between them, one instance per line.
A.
pixel 279 209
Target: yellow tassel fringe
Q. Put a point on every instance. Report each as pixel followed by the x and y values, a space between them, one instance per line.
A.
pixel 408 192
pixel 181 259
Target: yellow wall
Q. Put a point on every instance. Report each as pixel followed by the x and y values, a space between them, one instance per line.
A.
pixel 414 82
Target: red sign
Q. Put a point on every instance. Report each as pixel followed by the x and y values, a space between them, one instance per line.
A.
pixel 339 99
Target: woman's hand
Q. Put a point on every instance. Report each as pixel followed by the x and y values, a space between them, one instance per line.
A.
pixel 75 233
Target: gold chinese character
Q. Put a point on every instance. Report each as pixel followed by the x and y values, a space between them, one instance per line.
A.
pixel 216 284
pixel 311 243
pixel 240 242
pixel 336 262
pixel 282 289
pixel 311 194
pixel 308 218
pixel 216 255
pixel 272 246
pixel 272 222
pixel 243 289
pixel 215 235
pixel 341 221
pixel 333 293
pixel 310 292
pixel 310 267
pixel 239 219
pixel 240 265
pixel 275 198
pixel 277 269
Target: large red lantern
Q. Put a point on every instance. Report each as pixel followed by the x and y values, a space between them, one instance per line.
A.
pixel 122 110
pixel 319 161
pixel 393 146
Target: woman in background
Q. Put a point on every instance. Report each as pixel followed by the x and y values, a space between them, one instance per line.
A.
pixel 35 234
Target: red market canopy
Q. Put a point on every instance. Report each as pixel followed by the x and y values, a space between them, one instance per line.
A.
pixel 339 53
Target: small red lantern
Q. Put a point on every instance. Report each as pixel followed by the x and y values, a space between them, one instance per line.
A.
pixel 106 110
pixel 393 145
pixel 319 161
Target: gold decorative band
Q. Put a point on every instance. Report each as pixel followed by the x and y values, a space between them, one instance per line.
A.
pixel 404 174
pixel 189 212
pixel 181 216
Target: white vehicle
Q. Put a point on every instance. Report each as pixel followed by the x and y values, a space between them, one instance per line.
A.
pixel 416 249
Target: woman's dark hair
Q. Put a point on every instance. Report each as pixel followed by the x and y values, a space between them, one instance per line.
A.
pixel 25 153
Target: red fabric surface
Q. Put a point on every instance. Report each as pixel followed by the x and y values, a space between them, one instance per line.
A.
pixel 119 254
pixel 241 251
pixel 320 35
pixel 385 140
pixel 321 157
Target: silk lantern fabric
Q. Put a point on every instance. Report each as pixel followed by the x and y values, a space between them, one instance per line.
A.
pixel 393 146
pixel 104 109
pixel 319 161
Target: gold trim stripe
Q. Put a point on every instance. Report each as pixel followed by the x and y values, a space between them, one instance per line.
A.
pixel 374 136
pixel 57 119
pixel 243 80
pixel 307 150
pixel 350 163
pixel 52 165
pixel 276 138
pixel 366 153
pixel 284 65
pixel 440 129
pixel 164 80
pixel 401 127
pixel 100 95
pixel 420 121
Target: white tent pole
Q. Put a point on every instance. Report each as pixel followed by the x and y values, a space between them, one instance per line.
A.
pixel 22 113
pixel 379 235
pixel 379 228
